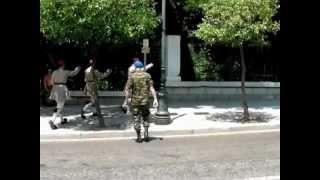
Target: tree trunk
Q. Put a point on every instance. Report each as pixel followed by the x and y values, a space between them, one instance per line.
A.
pixel 51 59
pixel 243 89
pixel 100 117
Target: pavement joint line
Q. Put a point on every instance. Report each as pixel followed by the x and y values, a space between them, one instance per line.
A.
pixel 165 136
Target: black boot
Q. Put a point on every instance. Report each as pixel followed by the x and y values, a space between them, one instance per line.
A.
pixel 146 134
pixel 139 139
pixel 64 121
pixel 82 114
pixel 124 109
pixel 53 127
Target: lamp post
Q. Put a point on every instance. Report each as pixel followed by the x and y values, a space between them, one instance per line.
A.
pixel 162 116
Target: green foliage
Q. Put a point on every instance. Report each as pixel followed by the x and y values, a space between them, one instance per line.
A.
pixel 235 22
pixel 195 4
pixel 204 67
pixel 102 85
pixel 98 21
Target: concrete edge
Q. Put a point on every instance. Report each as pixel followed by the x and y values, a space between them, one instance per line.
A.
pixel 121 134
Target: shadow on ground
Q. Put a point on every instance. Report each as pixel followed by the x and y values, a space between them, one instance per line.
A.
pixel 113 121
pixel 68 111
pixel 255 117
pixel 274 104
pixel 113 117
pixel 75 110
pixel 151 138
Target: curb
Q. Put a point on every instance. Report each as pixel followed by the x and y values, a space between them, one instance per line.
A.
pixel 131 133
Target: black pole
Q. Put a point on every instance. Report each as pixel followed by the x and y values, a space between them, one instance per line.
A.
pixel 162 116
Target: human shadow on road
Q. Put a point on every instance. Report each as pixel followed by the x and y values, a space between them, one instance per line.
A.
pixel 151 138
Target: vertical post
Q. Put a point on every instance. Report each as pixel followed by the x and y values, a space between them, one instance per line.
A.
pixel 145 51
pixel 162 116
pixel 243 87
pixel 145 59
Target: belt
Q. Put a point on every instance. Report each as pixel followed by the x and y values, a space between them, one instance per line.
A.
pixel 59 83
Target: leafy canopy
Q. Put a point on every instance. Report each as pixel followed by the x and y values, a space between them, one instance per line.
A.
pixel 235 22
pixel 97 21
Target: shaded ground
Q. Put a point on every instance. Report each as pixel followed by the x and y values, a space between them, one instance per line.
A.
pixel 230 116
pixel 115 119
pixel 225 104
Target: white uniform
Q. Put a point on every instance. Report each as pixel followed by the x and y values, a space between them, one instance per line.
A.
pixel 59 91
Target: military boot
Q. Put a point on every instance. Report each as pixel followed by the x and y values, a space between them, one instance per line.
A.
pixel 52 125
pixel 82 114
pixel 64 121
pixel 139 139
pixel 146 134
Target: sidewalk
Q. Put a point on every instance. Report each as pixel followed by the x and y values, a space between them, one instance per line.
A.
pixel 188 118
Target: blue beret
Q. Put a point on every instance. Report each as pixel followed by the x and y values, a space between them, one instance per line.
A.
pixel 135 59
pixel 138 64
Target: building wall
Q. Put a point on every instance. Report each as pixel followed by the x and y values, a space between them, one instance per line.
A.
pixel 203 91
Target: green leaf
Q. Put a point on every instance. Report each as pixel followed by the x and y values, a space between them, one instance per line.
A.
pixel 236 22
pixel 97 20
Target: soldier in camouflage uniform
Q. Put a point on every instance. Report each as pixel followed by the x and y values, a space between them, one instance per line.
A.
pixel 140 85
pixel 131 69
pixel 91 77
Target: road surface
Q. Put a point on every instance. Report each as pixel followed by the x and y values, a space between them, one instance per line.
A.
pixel 222 157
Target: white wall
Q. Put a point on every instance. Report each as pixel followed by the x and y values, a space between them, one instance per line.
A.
pixel 173 58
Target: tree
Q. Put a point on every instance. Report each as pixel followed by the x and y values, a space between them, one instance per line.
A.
pixel 90 23
pixel 238 23
pixel 93 22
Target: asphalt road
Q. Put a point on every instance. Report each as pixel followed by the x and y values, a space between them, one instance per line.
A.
pixel 224 157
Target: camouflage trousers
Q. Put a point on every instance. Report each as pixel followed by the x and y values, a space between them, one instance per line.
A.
pixel 140 115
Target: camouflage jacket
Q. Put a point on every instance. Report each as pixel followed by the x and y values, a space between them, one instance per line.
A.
pixel 139 85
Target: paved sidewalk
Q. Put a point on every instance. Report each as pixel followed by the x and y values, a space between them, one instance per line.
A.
pixel 188 118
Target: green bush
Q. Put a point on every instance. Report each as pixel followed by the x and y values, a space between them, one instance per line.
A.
pixel 102 85
pixel 204 66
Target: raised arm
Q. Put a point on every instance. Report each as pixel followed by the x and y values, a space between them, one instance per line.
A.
pixel 74 72
pixel 149 66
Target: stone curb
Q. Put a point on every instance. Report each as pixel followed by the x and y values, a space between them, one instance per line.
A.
pixel 131 133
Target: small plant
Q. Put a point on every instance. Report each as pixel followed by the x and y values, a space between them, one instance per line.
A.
pixel 204 66
pixel 102 85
